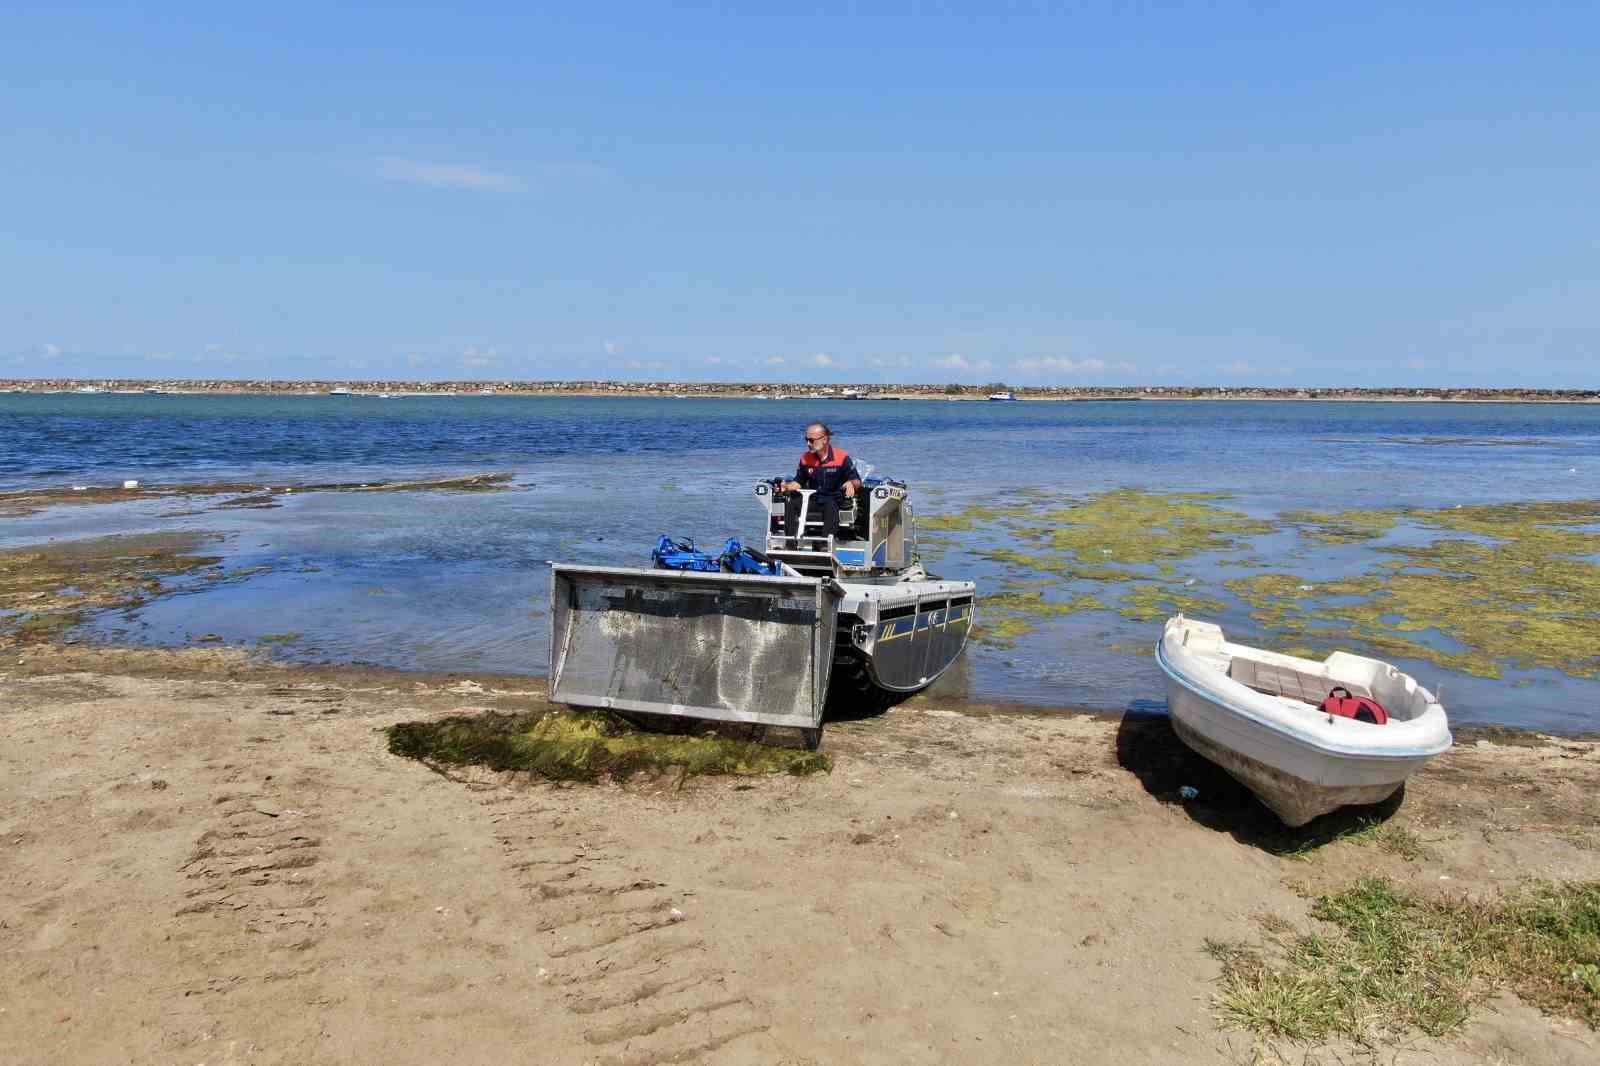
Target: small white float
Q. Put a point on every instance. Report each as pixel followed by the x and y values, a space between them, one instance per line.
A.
pixel 1255 714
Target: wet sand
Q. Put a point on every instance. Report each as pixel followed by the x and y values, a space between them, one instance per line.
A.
pixel 214 859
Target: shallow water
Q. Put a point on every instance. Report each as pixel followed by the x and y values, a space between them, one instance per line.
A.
pixel 446 581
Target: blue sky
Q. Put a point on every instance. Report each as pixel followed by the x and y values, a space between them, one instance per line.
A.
pixel 1358 194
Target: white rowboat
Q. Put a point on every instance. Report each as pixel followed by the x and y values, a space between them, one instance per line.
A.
pixel 1254 713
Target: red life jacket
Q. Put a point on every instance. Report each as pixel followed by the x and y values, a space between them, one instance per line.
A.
pixel 1362 709
pixel 827 476
pixel 836 457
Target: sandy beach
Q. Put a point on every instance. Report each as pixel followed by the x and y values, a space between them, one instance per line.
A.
pixel 214 860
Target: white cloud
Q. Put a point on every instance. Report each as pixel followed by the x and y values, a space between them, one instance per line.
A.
pixel 1057 364
pixel 713 360
pixel 648 364
pixel 476 358
pixel 953 362
pixel 1167 368
pixel 775 360
pixel 210 353
pixel 443 175
pixel 821 359
pixel 1241 367
pixel 50 351
pixel 611 347
pixel 983 366
pixel 889 361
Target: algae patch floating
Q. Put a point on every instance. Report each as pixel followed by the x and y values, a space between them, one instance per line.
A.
pixel 1111 551
pixel 1523 591
pixel 50 588
pixel 1474 589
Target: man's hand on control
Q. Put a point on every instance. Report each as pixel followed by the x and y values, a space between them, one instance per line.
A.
pixel 849 490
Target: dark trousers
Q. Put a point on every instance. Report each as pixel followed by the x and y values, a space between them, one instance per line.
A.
pixel 823 508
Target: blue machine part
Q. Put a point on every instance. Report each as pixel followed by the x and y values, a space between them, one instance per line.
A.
pixel 672 554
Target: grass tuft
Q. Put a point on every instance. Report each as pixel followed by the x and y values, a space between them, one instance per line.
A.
pixel 588 745
pixel 1397 961
pixel 1394 839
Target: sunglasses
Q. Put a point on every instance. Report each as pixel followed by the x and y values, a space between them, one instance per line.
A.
pixel 813 440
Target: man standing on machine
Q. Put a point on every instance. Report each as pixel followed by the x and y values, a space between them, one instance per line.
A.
pixel 828 471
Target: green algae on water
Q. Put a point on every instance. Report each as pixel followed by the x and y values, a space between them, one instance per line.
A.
pixel 1130 527
pixel 49 588
pixel 1119 528
pixel 1002 632
pixel 1149 601
pixel 1005 616
pixel 588 745
pixel 1525 591
pixel 1342 527
pixel 1497 585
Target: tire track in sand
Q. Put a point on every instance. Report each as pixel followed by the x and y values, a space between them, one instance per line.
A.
pixel 624 950
pixel 255 868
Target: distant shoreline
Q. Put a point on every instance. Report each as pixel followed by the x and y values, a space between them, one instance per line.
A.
pixel 389 389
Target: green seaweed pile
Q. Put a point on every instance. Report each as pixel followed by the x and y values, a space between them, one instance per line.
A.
pixel 589 745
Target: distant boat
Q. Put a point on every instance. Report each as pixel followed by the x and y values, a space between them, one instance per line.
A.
pixel 384 396
pixel 154 390
pixel 780 396
pixel 1003 397
pixel 340 391
pixel 86 389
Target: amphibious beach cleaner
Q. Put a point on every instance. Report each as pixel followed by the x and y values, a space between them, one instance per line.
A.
pixel 762 636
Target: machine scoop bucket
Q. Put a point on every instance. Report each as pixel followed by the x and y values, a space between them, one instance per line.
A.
pixel 726 647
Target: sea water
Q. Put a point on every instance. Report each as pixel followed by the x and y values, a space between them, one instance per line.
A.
pixel 454 581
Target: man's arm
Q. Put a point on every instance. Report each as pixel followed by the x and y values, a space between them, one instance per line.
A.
pixel 852 479
pixel 801 476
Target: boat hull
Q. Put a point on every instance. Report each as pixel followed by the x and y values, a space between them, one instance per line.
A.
pixel 1295 786
pixel 916 637
pixel 1299 764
